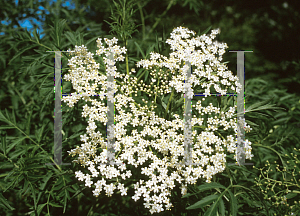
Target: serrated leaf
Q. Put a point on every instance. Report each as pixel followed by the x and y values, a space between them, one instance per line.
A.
pixel 204 202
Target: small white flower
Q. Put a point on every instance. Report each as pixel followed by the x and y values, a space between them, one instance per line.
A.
pixel 134 149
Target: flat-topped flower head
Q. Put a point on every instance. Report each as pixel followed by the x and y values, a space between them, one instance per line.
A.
pixel 143 138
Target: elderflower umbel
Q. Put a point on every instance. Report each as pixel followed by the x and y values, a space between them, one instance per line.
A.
pixel 135 148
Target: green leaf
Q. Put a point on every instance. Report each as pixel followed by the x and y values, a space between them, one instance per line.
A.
pixel 6 165
pixel 55 205
pixel 206 186
pixel 66 197
pixel 3 143
pixel 141 51
pixel 212 210
pixel 291 195
pixel 281 120
pixel 262 105
pixel 204 202
pixel 56 33
pixel 6 127
pixel 78 191
pixel 147 73
pixel 286 97
pixel 21 52
pixel 34 197
pixel 13 144
pixel 221 208
pixel 28 122
pixel 49 94
pixel 206 30
pixel 17 153
pixel 39 132
pixel 164 105
pixel 91 40
pixel 13 117
pixel 233 204
pixel 139 72
pixel 40 208
pixel 5 203
pixel 71 37
pixel 75 135
pixel 8 119
pixel 180 100
pixel 34 166
pixel 25 188
pixel 150 49
pixel 36 35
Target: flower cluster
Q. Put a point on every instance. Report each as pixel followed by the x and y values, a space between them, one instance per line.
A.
pixel 158 149
pixel 283 190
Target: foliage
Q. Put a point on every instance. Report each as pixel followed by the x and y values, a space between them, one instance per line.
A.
pixel 29 187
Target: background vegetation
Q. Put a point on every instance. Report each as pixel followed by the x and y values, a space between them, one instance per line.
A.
pixel 269 28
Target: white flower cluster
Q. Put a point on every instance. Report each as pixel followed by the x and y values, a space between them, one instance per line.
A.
pixel 158 150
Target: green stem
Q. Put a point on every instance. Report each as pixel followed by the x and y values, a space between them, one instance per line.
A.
pixel 142 19
pixel 169 102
